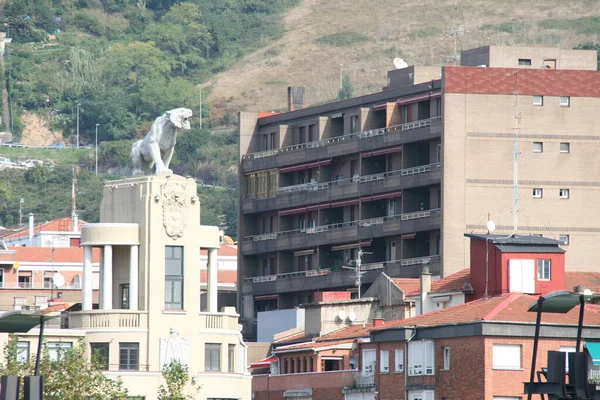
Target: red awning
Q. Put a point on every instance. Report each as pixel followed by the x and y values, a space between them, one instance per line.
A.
pixel 300 210
pixel 381 196
pixel 305 166
pixel 388 150
pixel 344 203
pixel 365 243
pixel 415 99
pixel 266 297
pixel 408 236
pixel 379 107
pixel 308 252
pixel 266 363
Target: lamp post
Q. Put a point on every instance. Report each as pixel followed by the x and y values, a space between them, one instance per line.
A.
pixel 341 76
pixel 97 149
pixel 200 103
pixel 78 104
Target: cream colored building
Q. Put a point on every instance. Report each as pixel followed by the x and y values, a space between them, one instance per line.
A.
pixel 149 310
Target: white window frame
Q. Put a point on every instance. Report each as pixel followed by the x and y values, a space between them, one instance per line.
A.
pixel 421 358
pixel 368 362
pixel 23 349
pixel 564 193
pixel 538 147
pixel 541 269
pixel 501 351
pixel 538 193
pixel 567 349
pixel 538 100
pixel 384 361
pixel 567 147
pixel 56 349
pixel 421 395
pixel 399 360
pixel 565 239
pixel 565 101
pixel 446 352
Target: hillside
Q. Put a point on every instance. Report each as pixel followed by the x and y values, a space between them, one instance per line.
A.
pixel 365 36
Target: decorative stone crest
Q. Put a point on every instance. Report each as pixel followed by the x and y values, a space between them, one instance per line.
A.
pixel 174 348
pixel 174 212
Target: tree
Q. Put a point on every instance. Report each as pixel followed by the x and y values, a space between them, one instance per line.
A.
pixel 71 376
pixel 176 377
pixel 347 91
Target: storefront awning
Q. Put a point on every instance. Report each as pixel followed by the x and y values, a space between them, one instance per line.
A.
pixel 266 363
pixel 594 350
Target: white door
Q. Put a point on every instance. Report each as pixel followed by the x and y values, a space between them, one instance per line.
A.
pixel 521 275
pixel 528 276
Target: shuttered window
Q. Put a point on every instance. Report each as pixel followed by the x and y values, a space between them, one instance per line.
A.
pixel 420 358
pixel 384 361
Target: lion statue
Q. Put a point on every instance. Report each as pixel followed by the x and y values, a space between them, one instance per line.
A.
pixel 158 145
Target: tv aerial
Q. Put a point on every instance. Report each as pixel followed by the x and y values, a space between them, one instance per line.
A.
pixel 399 63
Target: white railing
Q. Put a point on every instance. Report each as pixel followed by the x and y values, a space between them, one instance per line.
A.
pixel 418 260
pixel 353 136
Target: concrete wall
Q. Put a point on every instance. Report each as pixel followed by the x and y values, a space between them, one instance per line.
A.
pixel 273 322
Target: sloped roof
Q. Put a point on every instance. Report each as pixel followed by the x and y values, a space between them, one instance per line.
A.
pixel 44 254
pixel 222 276
pixel 515 239
pixel 225 250
pixel 510 307
pixel 407 285
pixel 589 280
pixel 350 332
pixel 451 283
pixel 312 345
pixel 56 225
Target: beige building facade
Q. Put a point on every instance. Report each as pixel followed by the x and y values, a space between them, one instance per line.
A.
pixel 149 310
pixel 404 173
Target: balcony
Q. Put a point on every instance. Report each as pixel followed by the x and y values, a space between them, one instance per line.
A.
pixel 362 383
pixel 336 277
pixel 312 193
pixel 108 319
pixel 343 145
pixel 342 232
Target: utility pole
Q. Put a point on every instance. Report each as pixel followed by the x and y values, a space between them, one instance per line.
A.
pixel 74 195
pixel 357 269
pixel 21 210
pixel 78 124
pixel 97 149
pixel 200 103
pixel 341 76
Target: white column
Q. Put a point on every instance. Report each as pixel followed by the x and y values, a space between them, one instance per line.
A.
pixel 107 283
pixel 87 279
pixel 212 281
pixel 133 278
pixel 100 292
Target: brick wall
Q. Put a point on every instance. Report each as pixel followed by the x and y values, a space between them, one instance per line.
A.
pixel 325 385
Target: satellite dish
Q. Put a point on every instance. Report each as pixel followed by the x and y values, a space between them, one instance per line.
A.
pixel 58 279
pixel 352 316
pixel 342 315
pixel 400 63
pixel 491 226
pixel 588 292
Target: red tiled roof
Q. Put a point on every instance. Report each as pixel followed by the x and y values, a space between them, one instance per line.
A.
pixel 450 283
pixel 589 280
pixel 407 285
pixel 61 254
pixel 510 307
pixel 226 250
pixel 350 332
pixel 263 114
pixel 222 276
pixel 281 338
pixel 313 345
pixel 56 225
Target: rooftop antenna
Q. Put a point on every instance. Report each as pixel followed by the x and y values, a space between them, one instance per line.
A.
pixel 456 32
pixel 517 122
pixel 359 273
pixel 21 202
pixel 491 226
pixel 74 198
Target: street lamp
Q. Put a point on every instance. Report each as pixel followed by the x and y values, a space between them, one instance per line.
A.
pixel 78 124
pixel 200 98
pixel 97 149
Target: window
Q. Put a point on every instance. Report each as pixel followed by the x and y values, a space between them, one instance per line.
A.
pixel 543 270
pixel 124 296
pixel 564 239
pixel 524 61
pixel 354 124
pixel 384 361
pixel 231 358
pixel 538 147
pixel 101 352
pixel 446 358
pixel 567 349
pixel 438 153
pixel 25 281
pixel 212 357
pixel 421 395
pixel 538 100
pixel 22 352
pixel 174 277
pixel 40 300
pixel 48 284
pixel 565 101
pixel 57 349
pixel 399 360
pixel 506 356
pixel 1 278
pixel 368 362
pixel 420 358
pixel 129 356
pixel 563 193
pixel 18 303
pixel 565 147
pixel 538 193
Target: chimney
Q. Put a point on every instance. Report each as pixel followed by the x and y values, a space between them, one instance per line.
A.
pixel 295 98
pixel 425 287
pixel 31 229
pixel 75 223
pixel 378 318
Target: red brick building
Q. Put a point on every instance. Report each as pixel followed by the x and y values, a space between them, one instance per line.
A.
pixel 479 350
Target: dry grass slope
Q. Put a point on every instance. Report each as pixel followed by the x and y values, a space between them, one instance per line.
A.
pixel 417 30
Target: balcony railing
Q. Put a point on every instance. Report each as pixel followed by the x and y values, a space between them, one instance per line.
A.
pixel 353 136
pixel 326 271
pixel 108 319
pixel 325 228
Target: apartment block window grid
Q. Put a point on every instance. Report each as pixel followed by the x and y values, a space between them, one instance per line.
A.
pixel 420 358
pixel 384 361
pixel 174 277
pixel 538 147
pixel 565 101
pixel 543 270
pixel 538 193
pixel 563 193
pixel 565 147
pixel 101 352
pixel 538 100
pixel 506 356
pixel 564 239
pixel 22 352
pixel 212 357
pixel 129 356
pixel 231 358
pixel 446 351
pixel 399 360
pixel 56 350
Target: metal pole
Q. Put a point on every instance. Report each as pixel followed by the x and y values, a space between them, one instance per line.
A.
pixel 536 339
pixel 580 324
pixel 516 159
pixel 341 76
pixel 39 349
pixel 358 274
pixel 78 125
pixel 200 104
pixel 97 149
